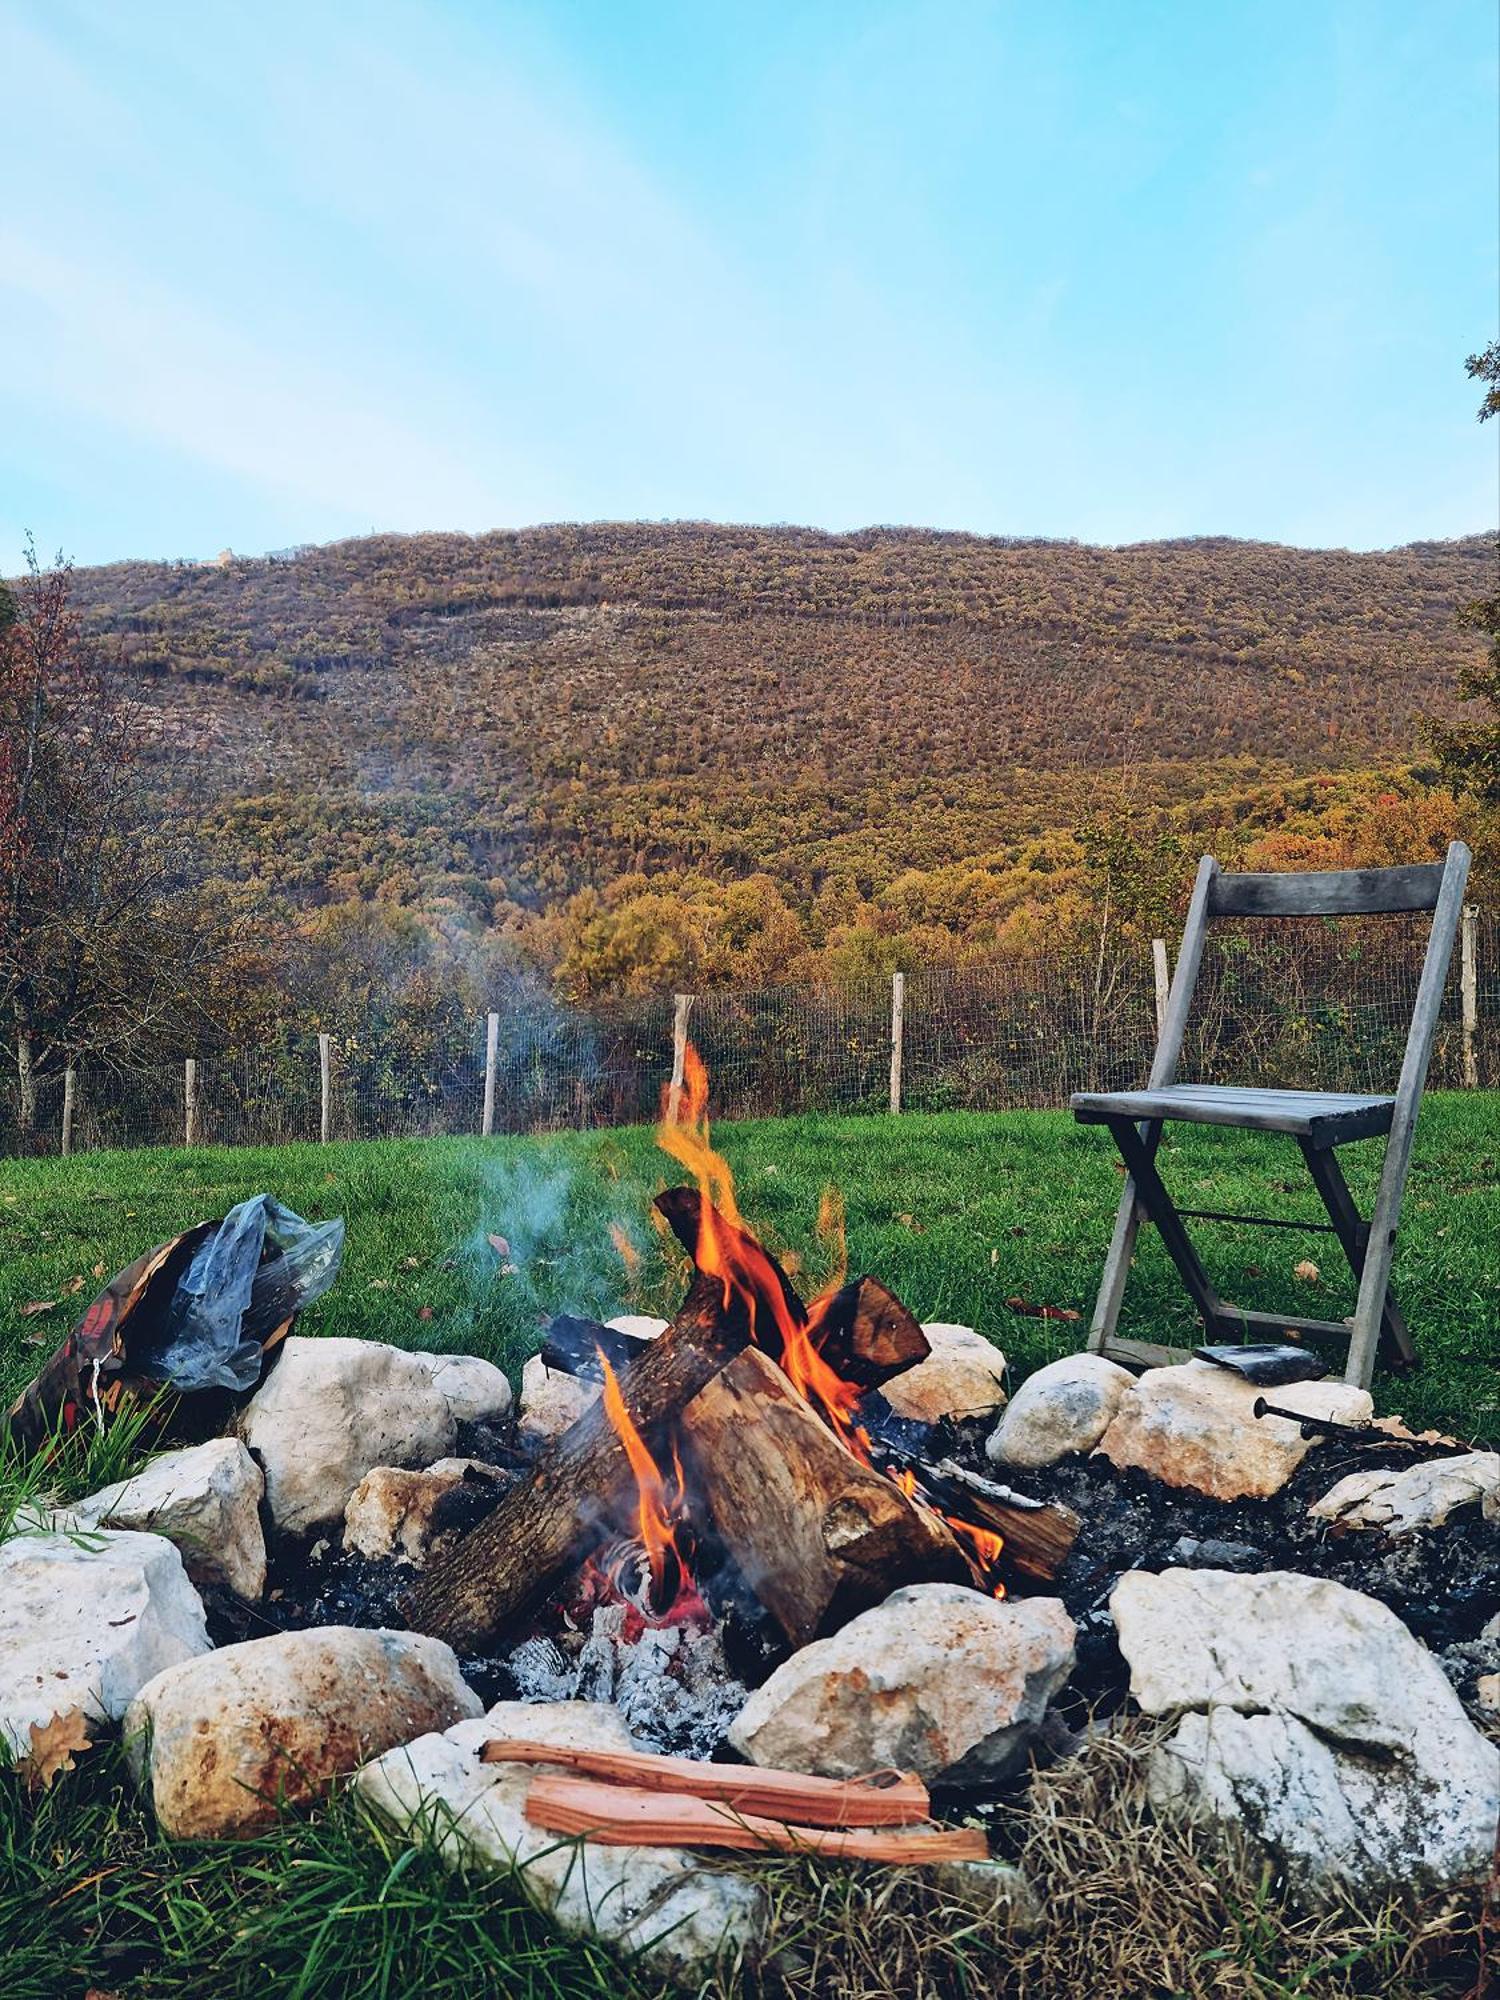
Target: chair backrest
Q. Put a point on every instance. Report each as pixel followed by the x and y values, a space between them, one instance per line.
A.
pixel 1437 886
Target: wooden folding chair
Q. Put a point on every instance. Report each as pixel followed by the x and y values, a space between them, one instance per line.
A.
pixel 1320 1121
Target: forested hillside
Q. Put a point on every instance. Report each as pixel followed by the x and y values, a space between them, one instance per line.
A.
pixel 886 734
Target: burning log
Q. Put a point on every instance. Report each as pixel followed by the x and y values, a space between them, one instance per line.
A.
pixel 551 1520
pixel 817 1535
pixel 573 1346
pixel 868 1335
pixel 1038 1534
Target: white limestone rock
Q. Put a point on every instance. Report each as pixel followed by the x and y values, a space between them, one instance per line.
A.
pixel 205 1500
pixel 85 1623
pixel 1307 1714
pixel 476 1391
pixel 219 1741
pixel 963 1376
pixel 1192 1425
pixel 552 1401
pixel 659 1902
pixel 332 1409
pixel 1406 1501
pixel 1062 1408
pixel 397 1512
pixel 939 1679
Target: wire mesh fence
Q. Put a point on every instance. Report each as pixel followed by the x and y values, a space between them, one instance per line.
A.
pixel 1325 1004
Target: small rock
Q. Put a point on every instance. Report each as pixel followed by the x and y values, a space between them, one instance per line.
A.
pixel 1307 1714
pixel 1214 1554
pixel 334 1408
pixel 476 1391
pixel 658 1902
pixel 220 1740
pixel 1192 1425
pixel 1487 1693
pixel 395 1512
pixel 963 1376
pixel 205 1500
pixel 552 1401
pixel 85 1624
pixel 1417 1497
pixel 1065 1407
pixel 939 1679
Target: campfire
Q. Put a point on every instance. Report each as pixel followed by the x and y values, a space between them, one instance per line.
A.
pixel 737 1457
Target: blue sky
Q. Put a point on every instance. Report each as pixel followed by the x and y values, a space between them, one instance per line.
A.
pixel 1106 268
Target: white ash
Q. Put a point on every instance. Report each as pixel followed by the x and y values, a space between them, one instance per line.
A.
pixel 671 1684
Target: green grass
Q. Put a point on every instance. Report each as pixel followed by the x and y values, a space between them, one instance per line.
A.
pixel 959 1212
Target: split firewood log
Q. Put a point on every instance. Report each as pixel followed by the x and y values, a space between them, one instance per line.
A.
pixel 890 1798
pixel 618 1816
pixel 817 1534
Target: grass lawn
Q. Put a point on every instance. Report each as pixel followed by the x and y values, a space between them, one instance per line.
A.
pixel 959 1213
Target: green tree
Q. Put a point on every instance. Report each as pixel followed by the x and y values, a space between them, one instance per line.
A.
pixel 1469 752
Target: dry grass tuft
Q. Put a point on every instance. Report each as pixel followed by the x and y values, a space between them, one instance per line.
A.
pixel 1130 1906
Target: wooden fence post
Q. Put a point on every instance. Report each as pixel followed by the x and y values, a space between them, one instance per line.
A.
pixel 898 1035
pixel 1468 984
pixel 682 1006
pixel 325 1089
pixel 491 1052
pixel 190 1102
pixel 1163 979
pixel 70 1099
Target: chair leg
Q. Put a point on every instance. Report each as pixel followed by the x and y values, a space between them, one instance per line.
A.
pixel 1328 1177
pixel 1128 1218
pixel 1140 1162
pixel 1375 1279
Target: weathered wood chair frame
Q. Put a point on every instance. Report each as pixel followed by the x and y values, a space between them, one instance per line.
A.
pixel 1320 1121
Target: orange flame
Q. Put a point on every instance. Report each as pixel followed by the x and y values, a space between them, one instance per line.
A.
pixel 655 1507
pixel 732 1255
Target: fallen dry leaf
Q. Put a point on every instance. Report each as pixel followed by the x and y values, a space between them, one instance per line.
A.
pixel 34 1306
pixel 99 1270
pixel 411 1263
pixel 1020 1305
pixel 52 1748
pixel 1307 1271
pixel 499 1245
pixel 74 1285
pixel 425 1313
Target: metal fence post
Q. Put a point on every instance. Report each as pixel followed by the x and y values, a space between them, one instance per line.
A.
pixel 1468 986
pixel 325 1088
pixel 682 1006
pixel 190 1102
pixel 898 1035
pixel 491 1052
pixel 70 1097
pixel 1163 978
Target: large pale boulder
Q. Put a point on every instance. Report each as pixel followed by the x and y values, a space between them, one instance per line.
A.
pixel 86 1622
pixel 400 1513
pixel 552 1401
pixel 205 1500
pixel 1307 1714
pixel 939 1679
pixel 1405 1501
pixel 332 1409
pixel 220 1741
pixel 658 1902
pixel 1194 1425
pixel 962 1376
pixel 1062 1408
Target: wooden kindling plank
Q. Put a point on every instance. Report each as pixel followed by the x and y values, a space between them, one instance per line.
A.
pixel 886 1799
pixel 620 1816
